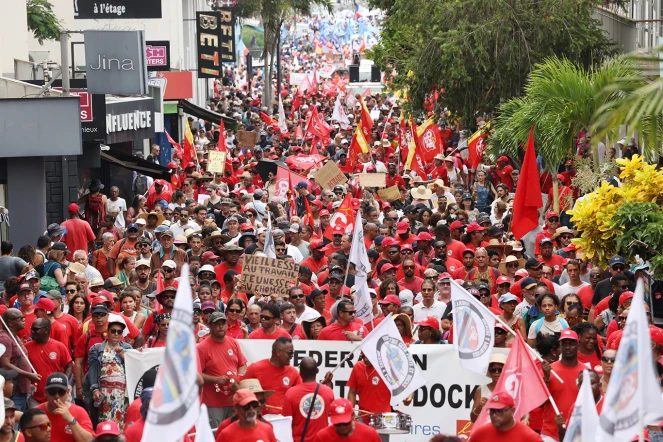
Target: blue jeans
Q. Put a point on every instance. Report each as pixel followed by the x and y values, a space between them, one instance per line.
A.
pixel 20 401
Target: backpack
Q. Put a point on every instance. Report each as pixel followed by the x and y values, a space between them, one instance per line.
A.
pixel 140 185
pixel 49 282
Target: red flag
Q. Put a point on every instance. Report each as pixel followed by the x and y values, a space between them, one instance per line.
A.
pixel 171 141
pixel 298 133
pixel 189 151
pixel 160 286
pixel 518 372
pixel 362 47
pixel 282 185
pixel 430 141
pixel 291 202
pixel 476 145
pixel 528 194
pixel 309 214
pixel 317 126
pixel 304 86
pixel 295 105
pixel 222 138
pixel 314 82
pixel 417 163
pixel 344 218
pixel 267 119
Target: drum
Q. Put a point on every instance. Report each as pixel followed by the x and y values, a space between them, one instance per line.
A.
pixel 391 423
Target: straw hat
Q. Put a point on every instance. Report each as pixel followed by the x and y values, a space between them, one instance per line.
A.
pixel 509 259
pixel 76 268
pixel 502 249
pixel 562 230
pixel 216 234
pixel 421 193
pixel 160 217
pixel 255 387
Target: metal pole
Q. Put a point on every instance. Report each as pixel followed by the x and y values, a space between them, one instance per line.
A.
pixel 278 65
pixel 64 62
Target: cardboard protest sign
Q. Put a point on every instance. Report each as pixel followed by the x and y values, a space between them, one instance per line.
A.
pixel 216 161
pixel 389 194
pixel 330 175
pixel 247 139
pixel 268 276
pixel 373 179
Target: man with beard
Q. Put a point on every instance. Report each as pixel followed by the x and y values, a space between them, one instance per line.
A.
pixel 393 179
pixel 410 281
pixel 126 246
pixel 166 299
pixel 247 427
pixel 483 271
pixel 468 265
pixel 13 358
pixel 168 252
pixel 231 255
pixel 144 284
pixel 547 256
pixel 7 432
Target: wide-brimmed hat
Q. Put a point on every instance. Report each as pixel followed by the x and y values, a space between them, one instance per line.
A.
pixel 216 235
pixel 421 193
pixel 160 217
pixel 306 324
pixel 510 259
pixel 562 230
pixel 407 321
pixel 502 249
pixel 254 385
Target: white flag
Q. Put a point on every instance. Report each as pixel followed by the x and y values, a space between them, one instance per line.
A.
pixel 175 402
pixel 375 113
pixel 633 399
pixel 390 357
pixel 474 330
pixel 584 420
pixel 203 429
pixel 270 249
pixel 359 257
pixel 350 99
pixel 282 126
pixel 338 114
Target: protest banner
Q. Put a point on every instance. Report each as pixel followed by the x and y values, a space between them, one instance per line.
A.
pixel 216 161
pixel 202 199
pixel 373 179
pixel 296 78
pixel 329 176
pixel 247 139
pixel 137 364
pixel 268 276
pixel 389 194
pixel 441 406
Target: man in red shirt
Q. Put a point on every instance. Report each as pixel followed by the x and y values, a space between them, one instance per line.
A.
pixel 551 225
pixel 247 427
pixel 344 427
pixel 221 363
pixel 69 323
pixel 468 265
pixel 374 395
pixel 79 233
pixel 345 328
pixel 26 298
pixel 298 402
pixel 410 281
pixel 547 256
pixel 276 374
pixel 44 309
pixel 505 170
pixel 564 395
pixel 47 356
pixel 393 178
pixel 503 427
pixel 231 263
pixel 69 422
pixel 317 261
pixel 269 317
pixel 403 232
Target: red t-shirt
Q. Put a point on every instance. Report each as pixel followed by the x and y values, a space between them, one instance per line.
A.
pixel 260 334
pixel 414 285
pixel 334 332
pixel 330 248
pixel 59 333
pixel 261 432
pixel 452 264
pixel 135 432
pixel 460 273
pixel 555 261
pixel 506 177
pixel 51 357
pixel 361 433
pixel 313 264
pixel 602 305
pixel 24 334
pixel 221 269
pixel 79 233
pixel 60 430
pixel 219 359
pixel 374 395
pixel 132 413
pixel 297 402
pixel 585 294
pixel 564 395
pixel 70 325
pixel 455 250
pixel 539 237
pixel 519 432
pixel 273 378
pixel 589 361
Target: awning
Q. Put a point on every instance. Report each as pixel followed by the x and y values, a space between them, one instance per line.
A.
pixel 131 162
pixel 208 115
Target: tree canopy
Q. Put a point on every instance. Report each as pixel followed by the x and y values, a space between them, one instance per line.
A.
pixel 42 21
pixel 480 53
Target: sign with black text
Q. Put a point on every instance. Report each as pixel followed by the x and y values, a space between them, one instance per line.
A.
pixel 268 276
pixel 116 9
pixel 228 20
pixel 208 28
pixel 130 120
pixel 157 54
pixel 93 114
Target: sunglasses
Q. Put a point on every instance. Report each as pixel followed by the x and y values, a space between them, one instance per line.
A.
pixel 99 315
pixel 619 268
pixel 43 427
pixel 70 291
pixel 167 296
pixel 115 331
pixel 290 353
pixel 407 252
pixel 296 296
pixel 168 270
pixel 499 412
pixel 373 296
pixel 621 318
pixel 553 220
pixel 57 392
pixel 350 312
pixel 445 283
pixel 251 405
pixel 499 331
pixel 266 318
pixel 197 312
pixel 506 285
pixel 280 250
pixel 495 370
pixel 249 215
pixel 232 310
pixel 209 312
pixel 608 359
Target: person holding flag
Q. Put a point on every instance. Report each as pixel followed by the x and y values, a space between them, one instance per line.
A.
pixel 359 258
pixel 585 417
pixel 503 427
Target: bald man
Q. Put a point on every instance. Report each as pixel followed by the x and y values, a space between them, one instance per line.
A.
pixel 298 400
pixel 370 232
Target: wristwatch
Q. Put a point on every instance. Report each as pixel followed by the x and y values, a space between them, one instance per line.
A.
pixel 73 421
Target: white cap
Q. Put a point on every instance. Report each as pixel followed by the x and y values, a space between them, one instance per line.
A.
pixel 206 268
pixel 622 141
pixel 170 264
pixel 141 222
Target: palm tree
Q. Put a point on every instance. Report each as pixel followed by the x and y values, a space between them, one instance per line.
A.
pixel 273 13
pixel 560 100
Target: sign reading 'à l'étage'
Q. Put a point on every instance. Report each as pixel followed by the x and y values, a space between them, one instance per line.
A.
pixel 116 9
pixel 115 62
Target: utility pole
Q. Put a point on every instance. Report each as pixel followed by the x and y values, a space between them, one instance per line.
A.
pixel 64 62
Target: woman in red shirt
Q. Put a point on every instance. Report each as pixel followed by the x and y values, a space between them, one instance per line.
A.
pixel 589 352
pixel 163 322
pixel 235 311
pixel 404 325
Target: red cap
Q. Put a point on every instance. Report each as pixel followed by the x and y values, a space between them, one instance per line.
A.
pixel 468 251
pixel 569 334
pixel 317 203
pixel 386 206
pixel 107 428
pixel 340 411
pixel 473 227
pixel 570 248
pixel 73 208
pixel 324 212
pixel 209 255
pixel 569 163
pixel 245 226
pixel 170 165
pixel 402 227
pixel 391 299
pixel 444 276
pixel 430 321
pixel 501 326
pixel 502 280
pixel 387 267
pixel 316 244
pixel 370 166
pixel 45 304
pixel 244 396
pixel 160 182
pixel 500 401
pixel 551 215
pixel 405 247
pixel 388 241
pixel 424 236
pixel 625 297
pixel 456 225
pixel 338 229
pixel 356 203
pixel 656 334
pixel 522 273
pixel 502 158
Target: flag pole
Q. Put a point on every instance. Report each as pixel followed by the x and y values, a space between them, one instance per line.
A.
pixel 534 353
pixel 4 324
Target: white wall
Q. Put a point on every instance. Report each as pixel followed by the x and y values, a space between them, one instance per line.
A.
pixel 13 35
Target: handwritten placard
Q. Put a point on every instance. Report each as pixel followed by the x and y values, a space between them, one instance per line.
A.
pixel 389 194
pixel 330 175
pixel 373 179
pixel 216 161
pixel 247 139
pixel 268 276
